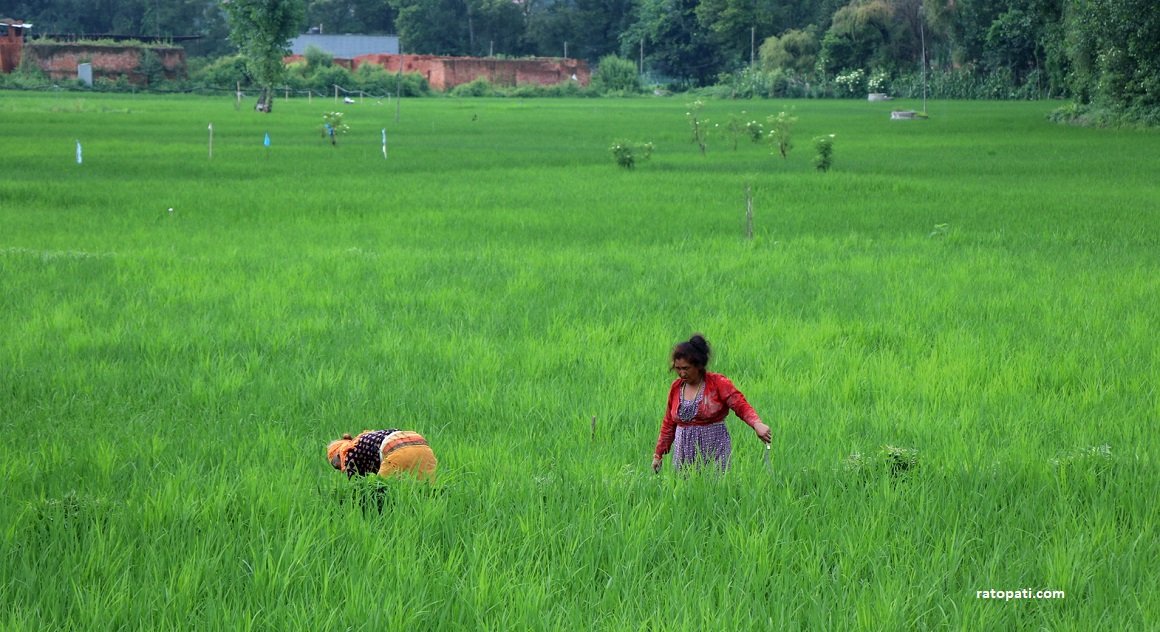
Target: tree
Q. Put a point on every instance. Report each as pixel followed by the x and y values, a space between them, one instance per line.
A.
pixel 351 16
pixel 863 35
pixel 616 75
pixel 1115 53
pixel 796 50
pixel 432 27
pixel 261 29
pixel 676 44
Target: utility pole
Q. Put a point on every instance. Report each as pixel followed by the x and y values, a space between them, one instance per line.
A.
pixel 922 34
pixel 752 42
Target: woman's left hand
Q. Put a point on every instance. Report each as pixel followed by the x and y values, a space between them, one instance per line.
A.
pixel 763 432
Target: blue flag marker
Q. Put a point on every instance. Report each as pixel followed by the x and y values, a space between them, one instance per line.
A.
pixel 266 142
pixel 79 159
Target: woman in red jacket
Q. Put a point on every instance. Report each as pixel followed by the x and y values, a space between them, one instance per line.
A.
pixel 694 423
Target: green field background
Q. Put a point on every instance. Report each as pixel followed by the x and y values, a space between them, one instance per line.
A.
pixel 979 289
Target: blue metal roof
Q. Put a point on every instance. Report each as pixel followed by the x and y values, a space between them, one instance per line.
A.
pixel 347 46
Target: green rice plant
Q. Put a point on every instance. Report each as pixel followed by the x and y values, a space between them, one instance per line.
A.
pixel 169 380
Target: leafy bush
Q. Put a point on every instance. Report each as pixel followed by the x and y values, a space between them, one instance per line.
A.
pixel 824 159
pixel 626 153
pixel 333 126
pixel 413 84
pixel 781 131
pixel 375 79
pixel 326 78
pixel 616 75
pixel 697 125
pixel 316 58
pixel 151 68
pixel 851 83
pixel 32 79
pixel 226 72
pixel 479 87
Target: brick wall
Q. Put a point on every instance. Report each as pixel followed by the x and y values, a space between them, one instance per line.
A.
pixel 60 60
pixel 11 42
pixel 444 73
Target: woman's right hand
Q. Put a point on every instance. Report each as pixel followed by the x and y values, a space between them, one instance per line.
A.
pixel 657 464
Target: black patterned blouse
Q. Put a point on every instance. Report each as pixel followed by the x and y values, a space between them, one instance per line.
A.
pixel 366 455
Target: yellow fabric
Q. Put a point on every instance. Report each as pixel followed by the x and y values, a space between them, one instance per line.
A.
pixel 418 460
pixel 339 448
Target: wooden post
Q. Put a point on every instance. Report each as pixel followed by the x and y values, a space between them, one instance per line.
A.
pixel 748 212
pixel 593 427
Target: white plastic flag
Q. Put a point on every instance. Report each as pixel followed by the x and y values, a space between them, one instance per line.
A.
pixel 384 142
pixel 79 159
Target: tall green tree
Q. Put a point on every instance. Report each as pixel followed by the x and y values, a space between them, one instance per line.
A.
pixel 675 43
pixel 261 29
pixel 1115 54
pixel 862 35
pixel 351 16
pixel 432 27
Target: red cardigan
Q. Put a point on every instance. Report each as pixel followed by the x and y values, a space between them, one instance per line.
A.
pixel 720 397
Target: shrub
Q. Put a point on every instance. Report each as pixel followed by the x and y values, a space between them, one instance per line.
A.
pixel 479 87
pixel 824 145
pixel 325 79
pixel 616 75
pixel 226 72
pixel 626 153
pixel 413 84
pixel 151 68
pixel 780 132
pixel 375 79
pixel 851 83
pixel 698 125
pixel 333 126
pixel 316 59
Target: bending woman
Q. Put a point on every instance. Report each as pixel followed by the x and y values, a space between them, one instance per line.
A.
pixel 694 424
pixel 383 452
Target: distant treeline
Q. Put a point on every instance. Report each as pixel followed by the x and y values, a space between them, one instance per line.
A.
pixel 1104 53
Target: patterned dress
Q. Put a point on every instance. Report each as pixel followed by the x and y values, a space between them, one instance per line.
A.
pixel 694 430
pixel 366 457
pixel 388 452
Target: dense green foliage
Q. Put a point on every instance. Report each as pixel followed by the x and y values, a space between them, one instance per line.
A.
pixel 1100 53
pixel 952 334
pixel 616 75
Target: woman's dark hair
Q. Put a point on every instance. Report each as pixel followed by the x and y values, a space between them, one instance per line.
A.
pixel 695 351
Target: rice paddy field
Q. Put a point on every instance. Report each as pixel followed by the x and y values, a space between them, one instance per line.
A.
pixel 952 333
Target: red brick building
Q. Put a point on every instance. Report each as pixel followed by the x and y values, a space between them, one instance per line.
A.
pixel 444 73
pixel 11 43
pixel 59 60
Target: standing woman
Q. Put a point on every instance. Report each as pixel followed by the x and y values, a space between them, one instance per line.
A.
pixel 694 423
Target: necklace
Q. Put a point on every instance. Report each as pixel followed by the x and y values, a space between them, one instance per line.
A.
pixel 687 409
